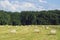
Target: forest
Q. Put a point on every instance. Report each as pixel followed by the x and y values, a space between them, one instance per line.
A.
pixel 50 17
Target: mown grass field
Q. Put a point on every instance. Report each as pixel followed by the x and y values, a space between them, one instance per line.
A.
pixel 27 32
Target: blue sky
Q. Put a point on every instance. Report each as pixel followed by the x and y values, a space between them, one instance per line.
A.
pixel 29 5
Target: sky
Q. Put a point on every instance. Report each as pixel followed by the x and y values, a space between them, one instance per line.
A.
pixel 29 5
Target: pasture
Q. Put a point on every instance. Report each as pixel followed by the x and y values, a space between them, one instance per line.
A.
pixel 8 32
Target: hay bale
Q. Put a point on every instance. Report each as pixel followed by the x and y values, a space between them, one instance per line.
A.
pixel 13 31
pixel 43 26
pixel 47 27
pixel 16 26
pixel 36 30
pixel 53 31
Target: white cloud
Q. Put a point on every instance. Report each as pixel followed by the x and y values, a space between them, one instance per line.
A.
pixel 41 8
pixel 53 7
pixel 19 6
pixel 28 5
pixel 4 3
pixel 7 5
pixel 43 1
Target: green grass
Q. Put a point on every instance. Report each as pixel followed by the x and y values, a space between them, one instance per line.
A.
pixel 27 32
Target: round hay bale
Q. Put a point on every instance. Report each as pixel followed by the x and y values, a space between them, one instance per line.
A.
pixel 53 31
pixel 36 30
pixel 13 31
pixel 43 26
pixel 16 26
pixel 47 27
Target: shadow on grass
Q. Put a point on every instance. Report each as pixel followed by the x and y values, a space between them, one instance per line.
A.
pixel 50 34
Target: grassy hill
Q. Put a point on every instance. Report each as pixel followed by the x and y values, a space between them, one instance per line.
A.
pixel 28 32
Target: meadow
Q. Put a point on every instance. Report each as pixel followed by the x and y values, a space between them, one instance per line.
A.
pixel 8 32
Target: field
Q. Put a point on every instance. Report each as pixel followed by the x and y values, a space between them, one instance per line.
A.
pixel 27 32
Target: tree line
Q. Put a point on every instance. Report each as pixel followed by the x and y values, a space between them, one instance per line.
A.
pixel 50 17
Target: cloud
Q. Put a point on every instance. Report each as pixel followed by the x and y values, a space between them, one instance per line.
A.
pixel 43 1
pixel 27 6
pixel 53 7
pixel 7 5
pixel 19 6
